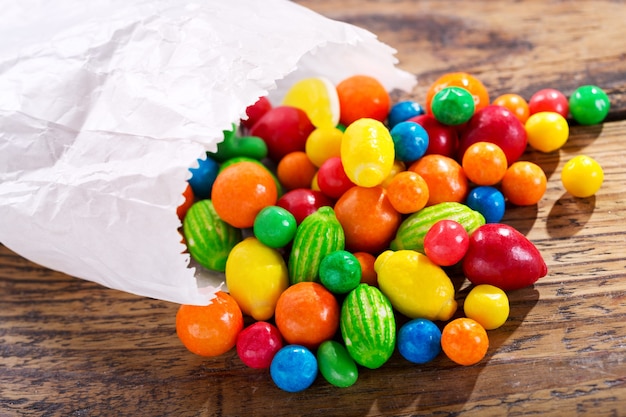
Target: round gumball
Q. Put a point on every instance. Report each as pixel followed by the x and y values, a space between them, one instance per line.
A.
pixel 362 96
pixel 589 105
pixel 446 242
pixel 340 272
pixel 547 131
pixel 403 111
pixel 453 106
pixel 442 139
pixel 275 226
pixel 419 341
pixel 516 104
pixel 582 176
pixel 484 163
pixel 258 343
pixel 410 141
pixel 303 201
pixel 293 368
pixel 459 79
pixel 488 201
pixel 524 183
pixel 464 341
pixel 332 179
pixel 488 305
pixel 323 143
pixel 444 176
pixel 548 100
pixel 407 192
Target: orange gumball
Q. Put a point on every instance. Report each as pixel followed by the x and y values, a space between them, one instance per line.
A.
pixel 295 170
pixel 524 183
pixel 362 96
pixel 516 104
pixel 460 79
pixel 307 314
pixel 210 330
pixel 240 191
pixel 408 192
pixel 445 178
pixel 368 219
pixel 484 163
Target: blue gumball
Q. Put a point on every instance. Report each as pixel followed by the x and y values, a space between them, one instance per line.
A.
pixel 419 341
pixel 488 201
pixel 410 141
pixel 203 177
pixel 293 368
pixel 403 111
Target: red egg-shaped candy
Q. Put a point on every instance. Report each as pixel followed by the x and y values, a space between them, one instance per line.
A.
pixel 495 124
pixel 284 129
pixel 501 256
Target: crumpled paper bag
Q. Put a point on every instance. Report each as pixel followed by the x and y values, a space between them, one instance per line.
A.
pixel 105 105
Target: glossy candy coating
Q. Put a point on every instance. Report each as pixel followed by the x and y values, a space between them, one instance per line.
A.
pixel 407 192
pixel 488 305
pixel 403 111
pixel 445 178
pixel 256 276
pixel 464 341
pixel 293 368
pixel 416 286
pixel 210 330
pixel 323 143
pixel 410 141
pixel 336 365
pixel 442 139
pixel 332 179
pixel 524 183
pixel 446 242
pixel 488 201
pixel 367 152
pixel 484 163
pixel 362 96
pixel 275 226
pixel 295 170
pixel 340 272
pixel 546 131
pixel 241 191
pixel 516 105
pixel 582 176
pixel 589 105
pixel 307 314
pixel 258 343
pixel 453 106
pixel 302 202
pixel 419 341
pixel 548 100
pixel 317 97
pixel 459 79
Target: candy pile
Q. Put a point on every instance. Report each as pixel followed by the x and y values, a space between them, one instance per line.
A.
pixel 336 213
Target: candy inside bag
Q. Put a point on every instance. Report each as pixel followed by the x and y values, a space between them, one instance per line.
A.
pixel 104 107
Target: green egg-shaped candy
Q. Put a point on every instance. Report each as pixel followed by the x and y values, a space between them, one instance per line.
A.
pixel 336 365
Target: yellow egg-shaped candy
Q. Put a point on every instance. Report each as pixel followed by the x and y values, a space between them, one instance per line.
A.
pixel 318 98
pixel 256 275
pixel 415 286
pixel 367 152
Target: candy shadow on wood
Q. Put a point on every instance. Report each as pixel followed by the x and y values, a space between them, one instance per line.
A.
pixel 569 215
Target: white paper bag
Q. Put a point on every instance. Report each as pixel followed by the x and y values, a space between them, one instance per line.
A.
pixel 105 105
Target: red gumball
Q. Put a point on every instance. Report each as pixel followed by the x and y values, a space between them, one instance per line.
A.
pixel 442 139
pixel 332 179
pixel 284 129
pixel 303 201
pixel 495 124
pixel 550 100
pixel 258 343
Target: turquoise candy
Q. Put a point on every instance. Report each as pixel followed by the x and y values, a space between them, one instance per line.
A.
pixel 453 106
pixel 336 365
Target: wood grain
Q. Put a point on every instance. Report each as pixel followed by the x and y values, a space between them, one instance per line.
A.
pixel 70 347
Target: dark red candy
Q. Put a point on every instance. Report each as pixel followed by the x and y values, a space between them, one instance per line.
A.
pixel 501 256
pixel 495 124
pixel 256 111
pixel 303 201
pixel 442 139
pixel 284 129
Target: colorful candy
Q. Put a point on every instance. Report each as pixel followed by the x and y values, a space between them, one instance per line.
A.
pixel 336 365
pixel 340 272
pixel 294 368
pixel 410 141
pixel 419 341
pixel 582 176
pixel 464 341
pixel 488 305
pixel 258 343
pixel 589 105
pixel 547 131
pixel 453 106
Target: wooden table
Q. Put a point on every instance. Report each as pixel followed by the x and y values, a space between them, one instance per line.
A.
pixel 70 347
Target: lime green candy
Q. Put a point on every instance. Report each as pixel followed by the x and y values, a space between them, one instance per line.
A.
pixel 336 365
pixel 367 152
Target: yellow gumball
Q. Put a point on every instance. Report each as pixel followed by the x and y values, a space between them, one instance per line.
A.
pixel 582 176
pixel 256 275
pixel 488 305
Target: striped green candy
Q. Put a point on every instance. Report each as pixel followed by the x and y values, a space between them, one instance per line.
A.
pixel 368 326
pixel 411 233
pixel 319 234
pixel 209 238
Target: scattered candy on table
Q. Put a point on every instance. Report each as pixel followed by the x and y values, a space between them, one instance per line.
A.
pixel 337 215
